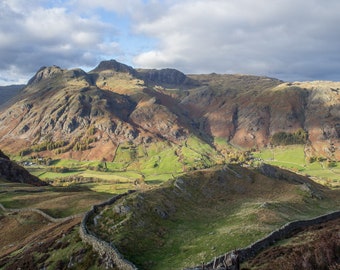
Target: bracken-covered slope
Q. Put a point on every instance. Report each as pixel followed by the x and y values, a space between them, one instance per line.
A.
pixel 88 115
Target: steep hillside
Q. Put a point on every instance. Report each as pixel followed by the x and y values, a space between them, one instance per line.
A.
pixel 248 111
pixel 79 115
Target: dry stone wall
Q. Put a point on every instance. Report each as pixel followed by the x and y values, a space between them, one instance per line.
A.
pixel 48 217
pixel 283 232
pixel 110 255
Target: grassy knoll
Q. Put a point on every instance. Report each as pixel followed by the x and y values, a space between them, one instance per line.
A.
pixel 205 213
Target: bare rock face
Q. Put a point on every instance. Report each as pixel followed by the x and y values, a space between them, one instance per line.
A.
pixel 166 76
pixel 45 73
pixel 12 172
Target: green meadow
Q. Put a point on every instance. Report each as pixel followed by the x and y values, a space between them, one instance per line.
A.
pixel 293 158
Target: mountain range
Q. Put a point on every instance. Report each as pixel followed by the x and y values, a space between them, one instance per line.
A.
pixel 87 115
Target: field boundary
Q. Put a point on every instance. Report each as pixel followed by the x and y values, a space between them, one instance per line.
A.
pixel 35 210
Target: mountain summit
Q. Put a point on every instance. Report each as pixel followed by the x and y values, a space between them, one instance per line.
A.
pixel 83 115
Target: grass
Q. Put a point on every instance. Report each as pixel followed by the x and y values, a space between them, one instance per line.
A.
pixel 293 158
pixel 58 202
pixel 205 214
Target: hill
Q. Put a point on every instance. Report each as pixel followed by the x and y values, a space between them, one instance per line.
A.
pixel 89 116
pixel 205 213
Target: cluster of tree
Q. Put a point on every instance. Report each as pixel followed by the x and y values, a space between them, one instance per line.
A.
pixel 91 131
pixel 330 163
pixel 83 144
pixel 286 138
pixel 47 145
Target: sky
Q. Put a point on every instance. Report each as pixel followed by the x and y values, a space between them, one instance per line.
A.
pixel 292 40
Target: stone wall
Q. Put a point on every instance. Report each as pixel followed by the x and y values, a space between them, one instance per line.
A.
pixel 48 217
pixel 112 257
pixel 281 233
pixel 109 254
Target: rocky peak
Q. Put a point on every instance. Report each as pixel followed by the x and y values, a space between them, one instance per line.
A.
pixel 45 73
pixel 114 66
pixel 167 76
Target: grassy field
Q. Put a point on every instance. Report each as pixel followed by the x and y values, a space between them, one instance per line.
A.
pixel 56 201
pixel 293 158
pixel 149 164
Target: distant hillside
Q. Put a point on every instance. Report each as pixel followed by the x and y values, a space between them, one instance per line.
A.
pixel 8 92
pixel 79 115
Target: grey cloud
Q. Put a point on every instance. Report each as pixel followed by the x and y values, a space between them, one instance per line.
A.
pixel 283 38
pixel 37 36
pixel 287 39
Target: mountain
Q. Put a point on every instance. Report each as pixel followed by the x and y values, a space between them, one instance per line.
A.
pixel 87 115
pixel 8 92
pixel 13 172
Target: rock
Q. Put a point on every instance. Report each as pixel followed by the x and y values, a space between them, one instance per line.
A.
pixel 114 66
pixel 164 76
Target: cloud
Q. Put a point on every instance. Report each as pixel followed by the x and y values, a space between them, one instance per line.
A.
pixel 285 38
pixel 35 36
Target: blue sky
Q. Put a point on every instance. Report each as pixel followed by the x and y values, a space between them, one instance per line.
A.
pixel 286 39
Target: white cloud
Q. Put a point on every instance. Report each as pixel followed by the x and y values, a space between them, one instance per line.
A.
pixel 287 39
pixel 278 38
pixel 36 35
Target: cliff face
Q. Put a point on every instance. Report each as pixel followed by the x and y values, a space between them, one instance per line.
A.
pixel 116 103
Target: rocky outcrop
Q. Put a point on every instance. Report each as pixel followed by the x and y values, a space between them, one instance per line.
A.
pixel 113 65
pixel 45 73
pixel 167 77
pixel 13 172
